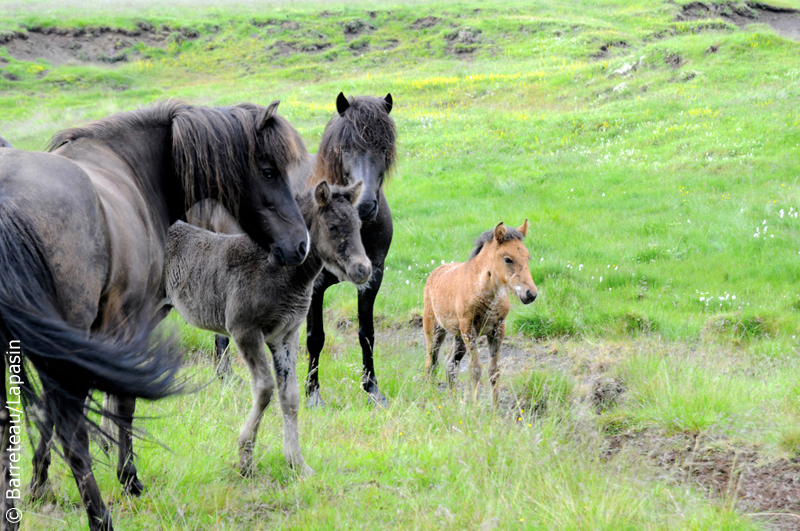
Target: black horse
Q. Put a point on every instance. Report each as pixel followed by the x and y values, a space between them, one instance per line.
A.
pixel 357 145
pixel 83 231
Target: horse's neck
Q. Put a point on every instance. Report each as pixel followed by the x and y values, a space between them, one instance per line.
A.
pixel 481 266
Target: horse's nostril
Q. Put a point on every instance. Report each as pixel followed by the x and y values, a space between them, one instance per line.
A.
pixel 301 249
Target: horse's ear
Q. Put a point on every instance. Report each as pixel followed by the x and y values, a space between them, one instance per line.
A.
pixel 266 114
pixel 387 103
pixel 524 228
pixel 322 194
pixel 500 233
pixel 353 192
pixel 341 103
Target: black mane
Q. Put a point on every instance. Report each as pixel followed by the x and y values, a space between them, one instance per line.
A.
pixel 486 237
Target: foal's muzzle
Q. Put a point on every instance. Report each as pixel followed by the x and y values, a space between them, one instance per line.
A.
pixel 527 296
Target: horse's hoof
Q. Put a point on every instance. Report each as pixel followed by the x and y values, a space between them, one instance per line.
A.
pixel 134 488
pixel 41 493
pixel 306 471
pixel 376 398
pixel 315 400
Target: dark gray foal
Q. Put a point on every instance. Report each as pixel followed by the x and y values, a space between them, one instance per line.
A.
pixel 228 285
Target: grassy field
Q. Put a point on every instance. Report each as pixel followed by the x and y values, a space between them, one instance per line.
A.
pixel 658 160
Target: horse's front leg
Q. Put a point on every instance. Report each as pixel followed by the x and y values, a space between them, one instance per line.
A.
pixel 495 338
pixel 74 437
pixel 315 337
pixel 454 359
pixel 251 348
pixel 366 336
pixel 470 340
pixel 284 356
pixel 222 359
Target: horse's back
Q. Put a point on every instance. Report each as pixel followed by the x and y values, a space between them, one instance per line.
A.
pixel 58 198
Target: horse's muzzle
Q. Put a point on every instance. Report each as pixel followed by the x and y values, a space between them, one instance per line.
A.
pixel 527 297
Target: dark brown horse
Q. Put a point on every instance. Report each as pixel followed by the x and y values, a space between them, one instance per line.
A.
pixel 358 145
pixel 83 231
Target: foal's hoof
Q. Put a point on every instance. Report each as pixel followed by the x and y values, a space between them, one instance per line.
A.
pixel 304 471
pixel 315 400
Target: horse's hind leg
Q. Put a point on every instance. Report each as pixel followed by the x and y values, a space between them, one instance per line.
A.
pixel 284 357
pixel 495 338
pixel 9 522
pixel 124 409
pixel 433 340
pixel 251 347
pixel 74 437
pixel 366 336
pixel 39 487
pixel 459 349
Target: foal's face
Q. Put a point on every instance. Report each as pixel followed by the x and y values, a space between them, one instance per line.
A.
pixel 511 265
pixel 370 169
pixel 337 236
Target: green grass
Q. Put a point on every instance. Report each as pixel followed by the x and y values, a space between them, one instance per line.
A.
pixel 665 243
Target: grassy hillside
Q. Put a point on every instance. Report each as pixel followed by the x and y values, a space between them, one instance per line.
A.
pixel 656 153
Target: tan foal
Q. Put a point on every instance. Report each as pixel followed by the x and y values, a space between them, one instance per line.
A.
pixel 470 299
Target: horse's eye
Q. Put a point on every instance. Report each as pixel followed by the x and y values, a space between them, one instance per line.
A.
pixel 508 260
pixel 269 174
pixel 331 227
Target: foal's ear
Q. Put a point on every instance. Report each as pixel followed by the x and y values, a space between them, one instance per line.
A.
pixel 500 233
pixel 353 192
pixel 387 103
pixel 524 228
pixel 266 114
pixel 341 103
pixel 322 195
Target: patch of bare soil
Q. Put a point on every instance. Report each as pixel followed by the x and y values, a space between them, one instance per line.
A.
pixel 291 47
pixel 766 491
pixel 464 40
pixel 785 21
pixel 78 46
pixel 426 22
pixel 606 49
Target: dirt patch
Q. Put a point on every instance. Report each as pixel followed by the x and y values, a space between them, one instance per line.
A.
pixel 465 40
pixel 767 491
pixel 674 60
pixel 423 23
pixel 606 49
pixel 78 46
pixel 785 21
pixel 283 48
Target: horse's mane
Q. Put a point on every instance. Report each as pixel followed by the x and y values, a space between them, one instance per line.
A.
pixel 364 127
pixel 212 148
pixel 486 237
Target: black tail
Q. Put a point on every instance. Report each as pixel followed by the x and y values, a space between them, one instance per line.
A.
pixel 70 361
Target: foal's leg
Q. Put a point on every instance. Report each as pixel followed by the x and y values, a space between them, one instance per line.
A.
pixel 315 337
pixel 284 356
pixel 434 343
pixel 124 409
pixel 459 349
pixel 366 336
pixel 251 347
pixel 470 339
pixel 74 437
pixel 495 338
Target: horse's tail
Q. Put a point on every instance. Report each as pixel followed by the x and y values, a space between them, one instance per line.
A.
pixel 70 360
